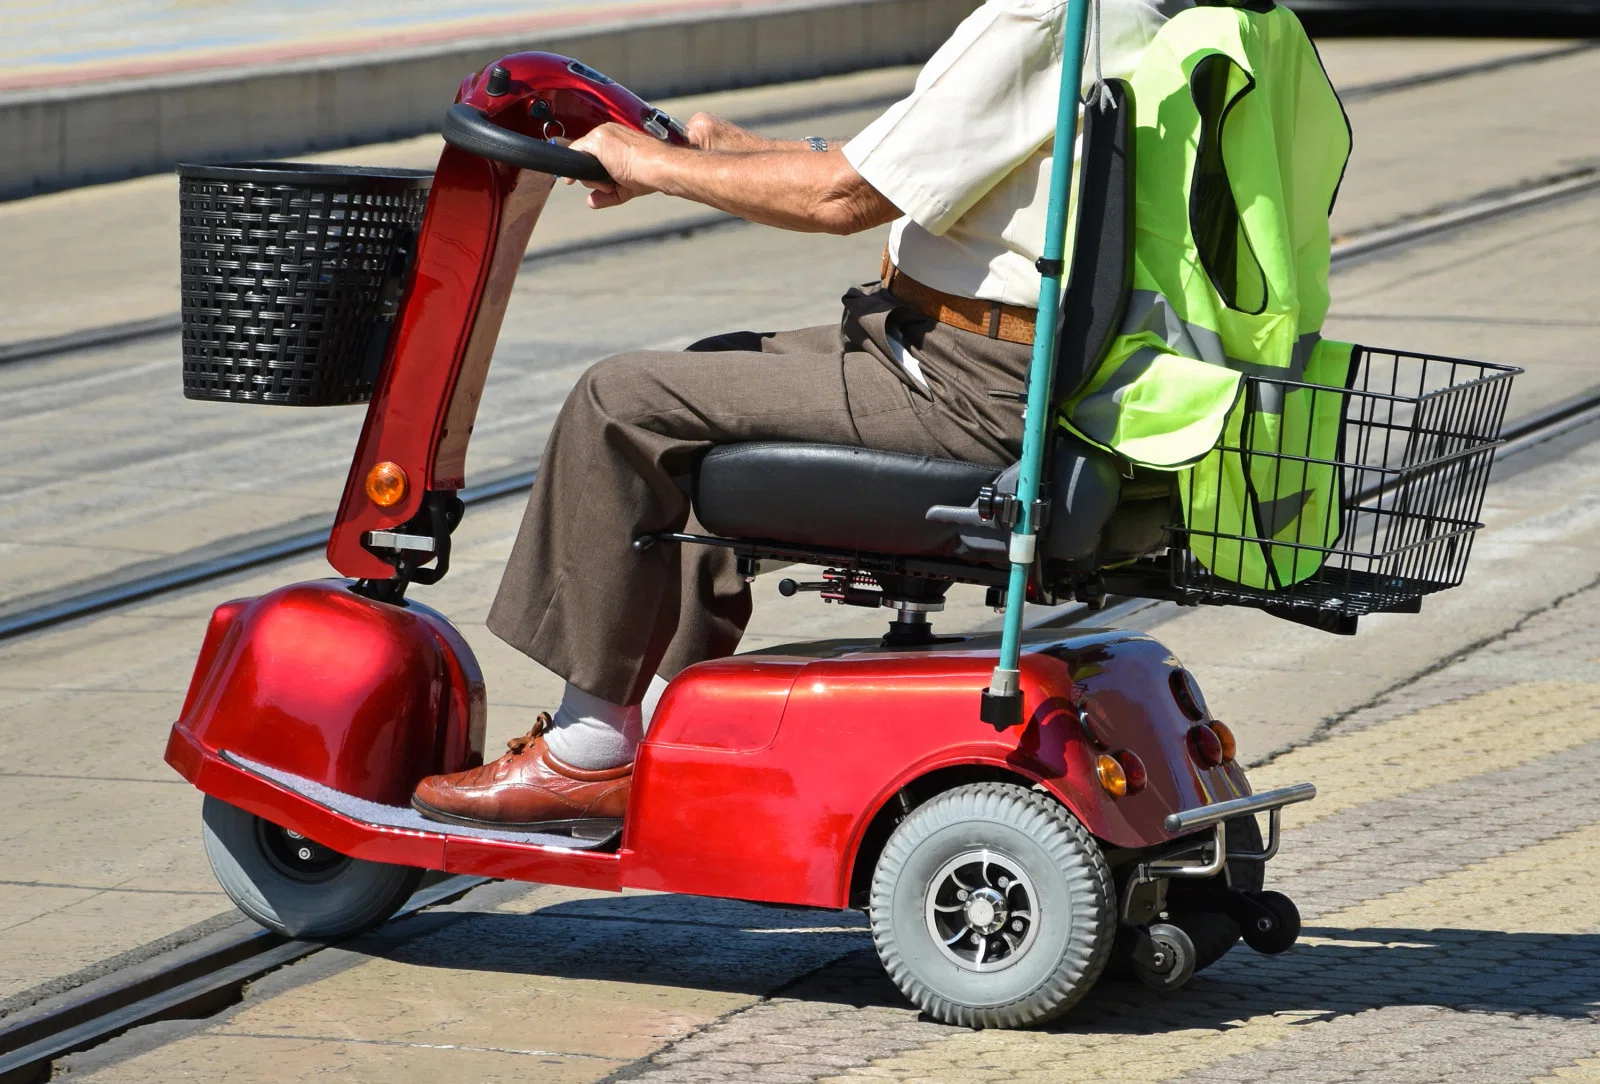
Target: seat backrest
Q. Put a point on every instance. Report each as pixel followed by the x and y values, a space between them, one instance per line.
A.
pixel 1101 277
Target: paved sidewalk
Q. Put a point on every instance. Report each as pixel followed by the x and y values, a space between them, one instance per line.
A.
pixel 1446 876
pixel 65 42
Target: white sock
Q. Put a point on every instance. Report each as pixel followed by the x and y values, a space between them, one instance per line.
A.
pixel 593 734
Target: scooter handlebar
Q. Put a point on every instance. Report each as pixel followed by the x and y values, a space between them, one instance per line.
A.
pixel 471 130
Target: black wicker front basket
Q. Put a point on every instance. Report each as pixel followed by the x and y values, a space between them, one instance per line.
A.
pixel 291 277
pixel 1408 471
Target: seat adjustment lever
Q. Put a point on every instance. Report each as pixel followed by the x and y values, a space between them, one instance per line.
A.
pixel 961 516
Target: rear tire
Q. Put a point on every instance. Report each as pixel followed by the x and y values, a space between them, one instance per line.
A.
pixel 295 886
pixel 992 906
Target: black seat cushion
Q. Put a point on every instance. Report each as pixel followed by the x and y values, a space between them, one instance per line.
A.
pixel 835 497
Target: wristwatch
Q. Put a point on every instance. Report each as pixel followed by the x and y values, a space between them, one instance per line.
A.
pixel 817 143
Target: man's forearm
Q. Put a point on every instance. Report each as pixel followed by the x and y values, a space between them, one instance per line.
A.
pixel 786 184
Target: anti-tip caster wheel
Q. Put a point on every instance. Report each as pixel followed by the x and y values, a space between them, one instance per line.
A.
pixel 992 906
pixel 1167 961
pixel 295 886
pixel 1275 926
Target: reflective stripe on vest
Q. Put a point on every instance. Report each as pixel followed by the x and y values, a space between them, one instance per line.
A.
pixel 1239 148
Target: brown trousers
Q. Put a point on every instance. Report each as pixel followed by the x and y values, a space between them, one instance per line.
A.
pixel 577 598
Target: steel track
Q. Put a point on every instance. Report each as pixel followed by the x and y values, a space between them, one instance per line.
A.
pixel 184 984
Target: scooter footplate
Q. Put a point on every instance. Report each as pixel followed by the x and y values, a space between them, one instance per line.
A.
pixel 390 816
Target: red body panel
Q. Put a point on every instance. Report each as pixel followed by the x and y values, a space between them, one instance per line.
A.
pixel 762 772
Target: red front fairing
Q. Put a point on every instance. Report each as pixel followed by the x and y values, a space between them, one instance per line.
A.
pixel 357 695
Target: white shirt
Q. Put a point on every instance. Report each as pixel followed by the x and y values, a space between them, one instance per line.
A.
pixel 966 156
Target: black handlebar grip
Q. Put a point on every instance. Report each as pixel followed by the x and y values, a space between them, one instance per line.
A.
pixel 471 130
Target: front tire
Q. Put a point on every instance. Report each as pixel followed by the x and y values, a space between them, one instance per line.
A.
pixel 992 906
pixel 295 886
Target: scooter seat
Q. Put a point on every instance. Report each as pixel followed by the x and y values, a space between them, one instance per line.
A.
pixel 835 497
pixel 867 501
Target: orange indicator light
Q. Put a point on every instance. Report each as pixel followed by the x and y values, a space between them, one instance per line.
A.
pixel 1112 777
pixel 386 484
pixel 1230 747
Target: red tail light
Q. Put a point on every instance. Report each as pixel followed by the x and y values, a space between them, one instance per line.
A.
pixel 1133 769
pixel 1186 691
pixel 1205 745
pixel 1092 718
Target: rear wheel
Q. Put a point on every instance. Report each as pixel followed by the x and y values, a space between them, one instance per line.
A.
pixel 295 886
pixel 991 906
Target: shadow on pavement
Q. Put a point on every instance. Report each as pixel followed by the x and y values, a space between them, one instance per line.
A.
pixel 731 946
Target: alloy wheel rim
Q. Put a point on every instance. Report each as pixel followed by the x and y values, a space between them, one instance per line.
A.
pixel 982 910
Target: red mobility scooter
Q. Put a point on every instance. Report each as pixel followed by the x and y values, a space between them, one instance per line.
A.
pixel 1002 865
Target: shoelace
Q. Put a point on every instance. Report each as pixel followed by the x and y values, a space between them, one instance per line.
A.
pixel 521 744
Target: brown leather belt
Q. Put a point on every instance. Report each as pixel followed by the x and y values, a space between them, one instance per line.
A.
pixel 1009 323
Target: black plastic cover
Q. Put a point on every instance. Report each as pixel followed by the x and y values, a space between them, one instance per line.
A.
pixel 835 497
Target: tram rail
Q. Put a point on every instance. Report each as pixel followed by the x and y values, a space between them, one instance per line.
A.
pixel 269 548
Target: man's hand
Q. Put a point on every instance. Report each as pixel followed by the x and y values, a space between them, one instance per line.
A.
pixel 626 154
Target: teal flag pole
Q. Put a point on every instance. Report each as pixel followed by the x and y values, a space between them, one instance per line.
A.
pixel 1002 700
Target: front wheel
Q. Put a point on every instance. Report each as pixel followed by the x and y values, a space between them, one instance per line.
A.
pixel 992 907
pixel 297 887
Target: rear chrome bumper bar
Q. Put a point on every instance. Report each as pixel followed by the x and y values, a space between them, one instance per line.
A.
pixel 1199 860
pixel 1191 820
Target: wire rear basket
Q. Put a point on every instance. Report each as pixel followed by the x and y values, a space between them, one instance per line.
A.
pixel 291 277
pixel 1365 512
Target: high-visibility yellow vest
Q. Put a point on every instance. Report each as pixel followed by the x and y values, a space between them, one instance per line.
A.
pixel 1240 145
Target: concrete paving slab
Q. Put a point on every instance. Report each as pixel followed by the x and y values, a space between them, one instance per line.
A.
pixel 107 254
pixel 1450 935
pixel 89 41
pixel 1359 62
pixel 1283 683
pixel 105 690
pixel 170 476
pixel 90 928
pixel 1431 146
pixel 1513 306
pixel 270 1059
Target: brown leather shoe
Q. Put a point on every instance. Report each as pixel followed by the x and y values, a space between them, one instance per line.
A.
pixel 528 788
